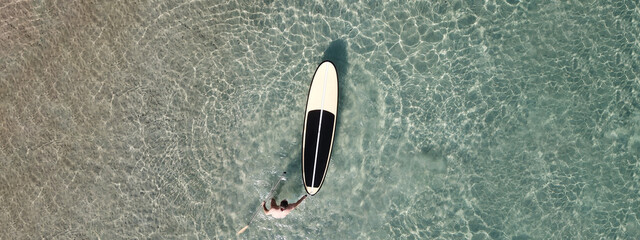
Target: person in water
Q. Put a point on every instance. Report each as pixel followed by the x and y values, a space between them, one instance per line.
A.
pixel 283 210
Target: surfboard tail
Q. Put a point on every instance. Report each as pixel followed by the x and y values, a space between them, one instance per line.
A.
pixel 311 190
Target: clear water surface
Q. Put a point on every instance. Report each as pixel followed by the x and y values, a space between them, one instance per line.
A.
pixel 484 119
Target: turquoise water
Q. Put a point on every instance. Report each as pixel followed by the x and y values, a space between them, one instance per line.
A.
pixel 457 119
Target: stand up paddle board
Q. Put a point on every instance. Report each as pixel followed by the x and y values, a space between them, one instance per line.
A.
pixel 319 126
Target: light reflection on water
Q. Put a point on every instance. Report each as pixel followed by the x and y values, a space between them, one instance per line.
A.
pixel 488 120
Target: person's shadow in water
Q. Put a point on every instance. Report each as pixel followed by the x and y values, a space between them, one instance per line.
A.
pixel 293 187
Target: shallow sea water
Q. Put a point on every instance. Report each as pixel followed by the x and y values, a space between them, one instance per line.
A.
pixel 457 120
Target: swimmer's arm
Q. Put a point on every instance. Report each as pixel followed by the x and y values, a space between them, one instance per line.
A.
pixel 299 201
pixel 264 208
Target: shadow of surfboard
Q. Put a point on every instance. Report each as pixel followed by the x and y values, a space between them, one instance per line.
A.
pixel 337 53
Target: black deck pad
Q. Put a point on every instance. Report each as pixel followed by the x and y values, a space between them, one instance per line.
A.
pixel 311 138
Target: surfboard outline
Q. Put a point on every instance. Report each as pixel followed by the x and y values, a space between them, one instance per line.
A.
pixel 304 130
